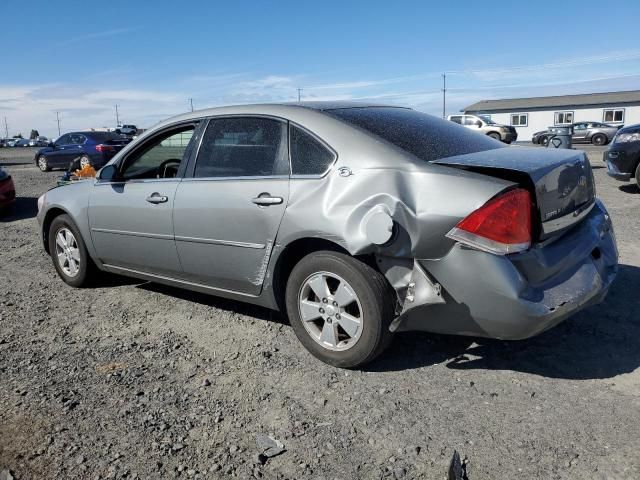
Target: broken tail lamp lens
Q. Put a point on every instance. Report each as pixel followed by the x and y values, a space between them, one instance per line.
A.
pixel 500 226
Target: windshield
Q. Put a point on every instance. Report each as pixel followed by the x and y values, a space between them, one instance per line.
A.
pixel 425 136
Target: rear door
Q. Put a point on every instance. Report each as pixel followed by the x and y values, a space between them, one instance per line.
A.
pixel 131 218
pixel 228 210
pixel 580 132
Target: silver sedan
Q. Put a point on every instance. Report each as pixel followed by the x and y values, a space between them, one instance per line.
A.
pixel 355 220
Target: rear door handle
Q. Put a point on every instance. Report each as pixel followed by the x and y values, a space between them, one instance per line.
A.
pixel 155 197
pixel 265 199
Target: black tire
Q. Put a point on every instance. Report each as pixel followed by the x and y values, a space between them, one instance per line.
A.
pixel 87 270
pixel 494 135
pixel 638 175
pixel 43 164
pixel 599 139
pixel 544 141
pixel 373 292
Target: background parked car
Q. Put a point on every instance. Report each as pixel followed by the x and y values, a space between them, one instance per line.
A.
pixel 596 133
pixel 39 142
pixel 93 148
pixel 21 142
pixel 126 129
pixel 504 133
pixel 7 192
pixel 623 155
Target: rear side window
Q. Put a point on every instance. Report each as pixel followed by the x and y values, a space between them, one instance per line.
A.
pixel 243 147
pixel 457 120
pixel 425 136
pixel 308 155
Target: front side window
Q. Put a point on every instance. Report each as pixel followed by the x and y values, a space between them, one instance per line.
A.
pixel 563 118
pixel 614 115
pixel 581 126
pixel 308 155
pixel 472 121
pixel 77 139
pixel 519 119
pixel 243 147
pixel 161 156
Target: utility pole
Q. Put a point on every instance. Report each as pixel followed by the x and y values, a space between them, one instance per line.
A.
pixel 117 116
pixel 6 128
pixel 58 119
pixel 444 95
pixel 299 90
pixel 191 102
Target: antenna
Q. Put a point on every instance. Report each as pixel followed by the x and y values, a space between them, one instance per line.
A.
pixel 444 95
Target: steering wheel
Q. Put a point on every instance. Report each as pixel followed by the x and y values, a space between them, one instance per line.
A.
pixel 166 166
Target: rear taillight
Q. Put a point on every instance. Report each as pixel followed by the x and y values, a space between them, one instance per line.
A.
pixel 104 148
pixel 501 226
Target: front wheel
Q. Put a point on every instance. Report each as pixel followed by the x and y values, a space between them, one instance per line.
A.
pixel 494 135
pixel 43 164
pixel 544 141
pixel 599 139
pixel 69 253
pixel 340 308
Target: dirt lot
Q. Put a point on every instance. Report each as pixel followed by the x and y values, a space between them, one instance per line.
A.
pixel 135 380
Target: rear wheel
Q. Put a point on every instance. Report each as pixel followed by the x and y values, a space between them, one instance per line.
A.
pixel 638 175
pixel 84 161
pixel 340 308
pixel 494 135
pixel 69 253
pixel 599 139
pixel 43 163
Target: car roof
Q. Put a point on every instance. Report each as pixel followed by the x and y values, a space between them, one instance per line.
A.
pixel 284 109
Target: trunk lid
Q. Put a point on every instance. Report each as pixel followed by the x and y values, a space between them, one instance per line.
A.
pixel 560 181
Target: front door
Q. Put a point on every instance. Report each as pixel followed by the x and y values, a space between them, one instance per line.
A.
pixel 228 211
pixel 580 131
pixel 131 217
pixel 63 152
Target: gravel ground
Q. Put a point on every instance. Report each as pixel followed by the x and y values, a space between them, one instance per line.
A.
pixel 136 380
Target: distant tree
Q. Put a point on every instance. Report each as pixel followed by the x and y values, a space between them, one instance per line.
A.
pixel 34 134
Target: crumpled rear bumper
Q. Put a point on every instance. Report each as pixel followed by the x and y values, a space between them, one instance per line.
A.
pixel 518 296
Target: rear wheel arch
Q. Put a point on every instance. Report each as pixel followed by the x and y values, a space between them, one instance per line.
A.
pixel 296 251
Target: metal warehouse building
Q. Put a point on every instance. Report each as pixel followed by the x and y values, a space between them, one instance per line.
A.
pixel 530 115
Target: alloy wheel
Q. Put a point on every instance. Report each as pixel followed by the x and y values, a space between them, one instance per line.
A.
pixel 84 161
pixel 42 163
pixel 67 252
pixel 330 311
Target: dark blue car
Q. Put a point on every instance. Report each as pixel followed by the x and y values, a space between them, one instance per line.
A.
pixel 88 148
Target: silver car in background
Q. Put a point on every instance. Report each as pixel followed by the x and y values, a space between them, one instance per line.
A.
pixel 356 220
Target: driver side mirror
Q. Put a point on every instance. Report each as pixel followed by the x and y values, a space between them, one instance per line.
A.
pixel 108 173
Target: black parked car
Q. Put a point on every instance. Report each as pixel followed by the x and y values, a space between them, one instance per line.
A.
pixel 623 155
pixel 90 148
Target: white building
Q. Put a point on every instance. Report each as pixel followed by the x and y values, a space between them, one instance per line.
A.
pixel 530 115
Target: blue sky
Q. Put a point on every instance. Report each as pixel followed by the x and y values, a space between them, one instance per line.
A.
pixel 82 58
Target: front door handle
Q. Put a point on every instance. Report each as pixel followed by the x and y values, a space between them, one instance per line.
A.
pixel 265 199
pixel 155 197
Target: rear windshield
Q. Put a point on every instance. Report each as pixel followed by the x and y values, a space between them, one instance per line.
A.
pixel 425 136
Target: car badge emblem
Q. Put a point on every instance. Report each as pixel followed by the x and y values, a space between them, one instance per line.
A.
pixel 345 172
